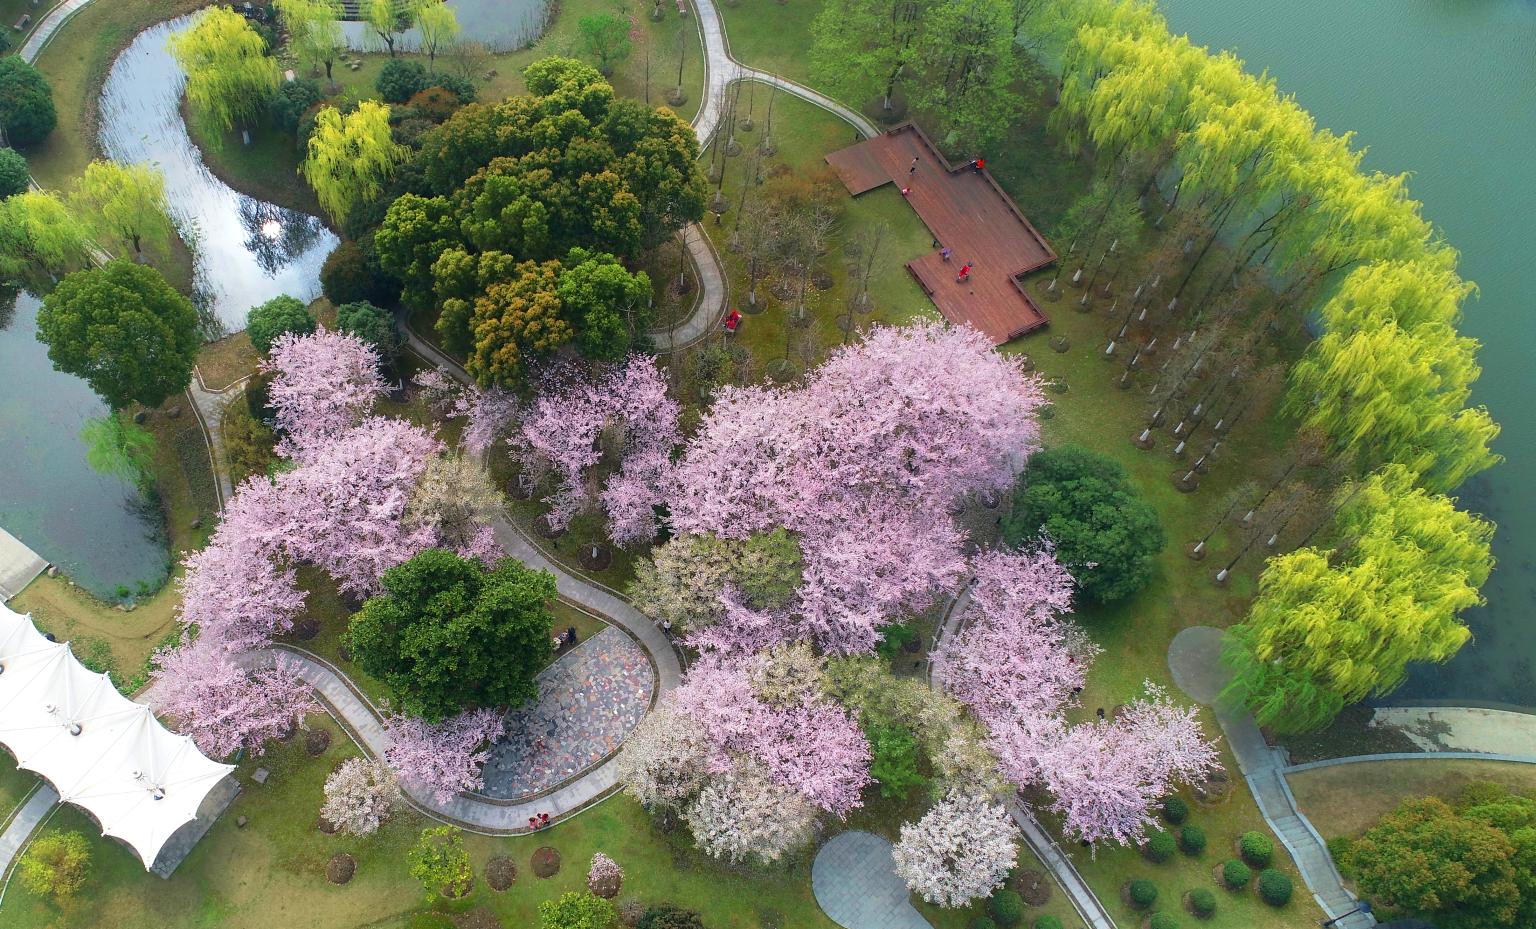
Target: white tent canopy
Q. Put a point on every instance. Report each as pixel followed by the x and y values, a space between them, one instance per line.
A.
pixel 99 750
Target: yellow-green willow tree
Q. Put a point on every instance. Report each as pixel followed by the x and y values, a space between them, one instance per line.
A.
pixel 350 157
pixel 314 31
pixel 1329 629
pixel 124 204
pixel 39 235
pixel 385 18
pixel 230 76
pixel 436 24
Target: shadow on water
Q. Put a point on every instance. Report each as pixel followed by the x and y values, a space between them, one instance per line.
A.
pixel 247 251
pixel 95 527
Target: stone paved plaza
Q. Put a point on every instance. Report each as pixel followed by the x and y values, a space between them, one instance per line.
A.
pixel 589 700
pixel 856 885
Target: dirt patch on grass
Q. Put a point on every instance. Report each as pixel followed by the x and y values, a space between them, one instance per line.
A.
pixel 340 868
pixel 316 741
pixel 1348 799
pixel 546 862
pixel 226 361
pixel 500 873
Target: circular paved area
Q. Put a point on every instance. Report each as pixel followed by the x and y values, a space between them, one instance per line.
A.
pixel 855 882
pixel 589 700
pixel 1194 658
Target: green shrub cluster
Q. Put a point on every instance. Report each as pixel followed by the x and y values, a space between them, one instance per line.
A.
pixel 1007 907
pixel 1162 921
pixel 1235 874
pixel 1175 810
pixel 1143 893
pixel 1257 849
pixel 1048 922
pixel 1202 902
pixel 1159 847
pixel 1192 840
pixel 1275 887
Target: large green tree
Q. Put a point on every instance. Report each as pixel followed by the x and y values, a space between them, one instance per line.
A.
pixel 282 314
pixel 14 175
pixel 605 303
pixel 450 633
pixel 230 75
pixel 26 103
pixel 123 329
pixel 1460 870
pixel 1081 501
pixel 1329 628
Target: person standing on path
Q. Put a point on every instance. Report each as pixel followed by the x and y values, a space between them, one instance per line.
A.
pixel 912 168
pixel 965 273
pixel 944 253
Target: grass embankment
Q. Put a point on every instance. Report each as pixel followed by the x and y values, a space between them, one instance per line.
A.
pixel 1345 800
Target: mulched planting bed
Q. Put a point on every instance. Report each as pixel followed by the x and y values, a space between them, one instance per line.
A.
pixel 316 741
pixel 306 629
pixel 500 872
pixel 326 826
pixel 340 868
pixel 600 561
pixel 1033 886
pixel 546 862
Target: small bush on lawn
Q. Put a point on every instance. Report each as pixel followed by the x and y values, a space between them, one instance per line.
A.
pixel 1257 849
pixel 1143 894
pixel 1160 847
pixel 1047 922
pixel 1275 887
pixel 983 922
pixel 1175 810
pixel 1006 907
pixel 1202 902
pixel 1162 921
pixel 1235 874
pixel 1192 840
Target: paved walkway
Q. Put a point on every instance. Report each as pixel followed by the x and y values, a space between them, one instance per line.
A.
pixel 57 17
pixel 27 818
pixel 1411 756
pixel 1190 659
pixel 856 885
pixel 209 406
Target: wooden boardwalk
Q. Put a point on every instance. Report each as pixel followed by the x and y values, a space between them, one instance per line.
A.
pixel 966 211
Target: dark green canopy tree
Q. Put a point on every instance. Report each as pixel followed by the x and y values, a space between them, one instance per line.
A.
pixel 124 329
pixel 449 633
pixel 1103 533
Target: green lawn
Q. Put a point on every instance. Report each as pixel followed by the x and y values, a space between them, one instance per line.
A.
pixel 772 35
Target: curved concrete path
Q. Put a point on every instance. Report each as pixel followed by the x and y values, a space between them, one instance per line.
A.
pixel 1410 756
pixel 1193 659
pixel 855 882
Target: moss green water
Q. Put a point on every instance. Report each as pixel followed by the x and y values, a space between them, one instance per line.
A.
pixel 1446 90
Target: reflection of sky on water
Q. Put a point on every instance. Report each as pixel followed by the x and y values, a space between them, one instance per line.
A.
pixel 86 522
pixel 247 251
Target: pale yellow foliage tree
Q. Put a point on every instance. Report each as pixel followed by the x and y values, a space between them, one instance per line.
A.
pixel 350 157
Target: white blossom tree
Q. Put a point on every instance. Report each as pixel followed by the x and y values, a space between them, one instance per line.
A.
pixel 605 876
pixel 745 814
pixel 962 849
pixel 359 796
pixel 662 763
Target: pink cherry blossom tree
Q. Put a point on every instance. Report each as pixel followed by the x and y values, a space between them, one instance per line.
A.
pixel 446 758
pixel 865 463
pixel 235 591
pixel 605 877
pixel 223 705
pixel 488 413
pixel 323 384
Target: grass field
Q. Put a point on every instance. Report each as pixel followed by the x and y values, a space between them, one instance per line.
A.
pixel 1345 800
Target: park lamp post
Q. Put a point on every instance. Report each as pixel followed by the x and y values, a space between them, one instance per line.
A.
pixel 1363 906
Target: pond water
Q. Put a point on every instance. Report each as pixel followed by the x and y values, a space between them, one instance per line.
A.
pixel 89 524
pixel 1447 91
pixel 499 25
pixel 247 251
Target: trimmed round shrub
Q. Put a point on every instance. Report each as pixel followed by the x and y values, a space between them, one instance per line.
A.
pixel 400 80
pixel 1235 874
pixel 1162 921
pixel 13 173
pixel 26 103
pixel 1143 893
pixel 281 314
pixel 291 101
pixel 1257 849
pixel 1006 907
pixel 369 323
pixel 1275 887
pixel 1202 902
pixel 1192 840
pixel 1160 847
pixel 1175 810
pixel 983 922
pixel 1048 922
pixel 460 87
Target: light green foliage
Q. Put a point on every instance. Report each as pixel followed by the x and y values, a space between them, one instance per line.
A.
pixel 387 17
pixel 1330 628
pixel 1257 849
pixel 124 204
pixel 56 864
pixel 577 911
pixel 350 157
pixel 436 24
pixel 1084 504
pixel 438 860
pixel 605 36
pixel 681 581
pixel 117 446
pixel 895 759
pixel 230 76
pixel 39 235
pixel 264 323
pixel 1235 874
pixel 448 633
pixel 416 231
pixel 605 303
pixel 123 329
pixel 314 31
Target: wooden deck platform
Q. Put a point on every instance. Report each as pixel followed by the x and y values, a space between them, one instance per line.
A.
pixel 966 211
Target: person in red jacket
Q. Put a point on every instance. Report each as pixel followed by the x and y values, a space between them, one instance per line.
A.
pixel 965 273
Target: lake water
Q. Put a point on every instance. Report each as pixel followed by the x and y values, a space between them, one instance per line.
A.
pixel 86 523
pixel 247 251
pixel 1447 91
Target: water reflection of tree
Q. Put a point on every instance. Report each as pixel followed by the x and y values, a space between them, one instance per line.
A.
pixel 296 233
pixel 8 295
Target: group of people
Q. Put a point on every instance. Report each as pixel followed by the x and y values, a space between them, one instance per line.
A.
pixel 535 823
pixel 978 165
